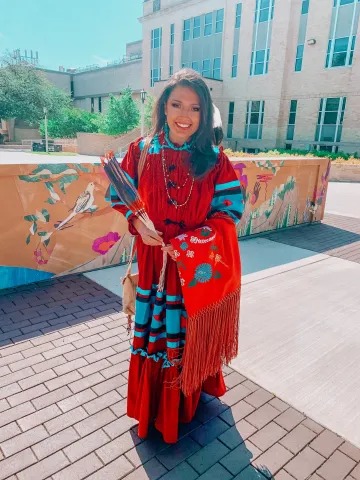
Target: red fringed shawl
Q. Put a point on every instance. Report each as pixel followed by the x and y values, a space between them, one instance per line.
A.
pixel 208 261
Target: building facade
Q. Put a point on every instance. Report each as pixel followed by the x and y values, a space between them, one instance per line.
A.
pixel 284 73
pixel 92 86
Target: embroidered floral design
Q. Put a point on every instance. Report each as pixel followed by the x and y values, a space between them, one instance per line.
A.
pixel 205 232
pixel 182 282
pixel 217 259
pixel 190 253
pixel 227 203
pixel 176 253
pixel 184 246
pixel 203 272
pixel 182 236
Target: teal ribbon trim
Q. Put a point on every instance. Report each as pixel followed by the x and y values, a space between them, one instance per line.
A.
pixel 187 146
pixel 155 356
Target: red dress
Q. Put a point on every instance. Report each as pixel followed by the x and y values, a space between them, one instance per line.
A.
pixel 160 320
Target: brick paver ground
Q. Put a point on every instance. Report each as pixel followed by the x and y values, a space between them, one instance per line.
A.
pixel 337 236
pixel 63 380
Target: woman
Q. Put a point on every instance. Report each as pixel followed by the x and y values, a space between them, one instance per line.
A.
pixel 184 184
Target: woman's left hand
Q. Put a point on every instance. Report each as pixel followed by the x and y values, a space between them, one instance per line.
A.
pixel 170 250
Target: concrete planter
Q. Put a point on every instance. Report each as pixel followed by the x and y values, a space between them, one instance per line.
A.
pixel 344 173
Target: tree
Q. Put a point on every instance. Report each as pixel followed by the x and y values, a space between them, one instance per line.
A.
pixel 122 114
pixel 149 106
pixel 25 91
pixel 70 121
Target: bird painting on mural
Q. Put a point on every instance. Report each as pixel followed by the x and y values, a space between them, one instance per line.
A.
pixel 83 204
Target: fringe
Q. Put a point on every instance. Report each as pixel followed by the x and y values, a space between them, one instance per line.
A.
pixel 162 273
pixel 212 338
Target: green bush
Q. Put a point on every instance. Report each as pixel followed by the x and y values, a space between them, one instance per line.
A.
pixel 122 115
pixel 295 153
pixel 71 121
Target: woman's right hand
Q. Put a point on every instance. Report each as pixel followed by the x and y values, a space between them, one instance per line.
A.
pixel 148 236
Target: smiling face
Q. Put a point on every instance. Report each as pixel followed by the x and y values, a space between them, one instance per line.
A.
pixel 182 114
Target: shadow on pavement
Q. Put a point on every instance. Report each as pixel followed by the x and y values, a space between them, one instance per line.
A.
pixel 212 447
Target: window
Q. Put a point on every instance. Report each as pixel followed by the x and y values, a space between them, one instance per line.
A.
pixel 340 56
pixel 343 2
pixel 156 6
pixel 219 25
pixel 305 7
pixel 238 15
pixel 330 119
pixel 292 118
pixel 264 10
pixel 262 37
pixel 72 90
pixel 155 76
pixel 230 120
pixel 206 68
pixel 186 33
pixel 155 60
pixel 172 41
pixel 156 38
pixel 92 105
pixel 299 58
pixel 196 27
pixel 217 68
pixel 185 65
pixel 259 62
pixel 254 119
pixel 302 36
pixel 100 104
pixel 234 66
pixel 208 24
pixel 343 30
pixel 195 66
pixel 251 150
pixel 288 146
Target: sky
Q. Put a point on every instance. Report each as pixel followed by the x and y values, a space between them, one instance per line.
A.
pixel 72 33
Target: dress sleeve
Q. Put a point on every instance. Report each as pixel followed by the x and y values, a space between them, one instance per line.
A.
pixel 228 199
pixel 130 165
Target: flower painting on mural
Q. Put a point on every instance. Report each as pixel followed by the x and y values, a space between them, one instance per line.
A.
pixel 239 170
pixel 56 179
pixel 39 224
pixel 265 178
pixel 103 244
pixel 277 211
pixel 320 190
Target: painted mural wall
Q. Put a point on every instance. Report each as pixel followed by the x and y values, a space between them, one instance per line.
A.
pixel 281 193
pixel 55 221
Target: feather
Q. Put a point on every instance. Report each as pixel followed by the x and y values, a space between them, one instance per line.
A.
pixel 217 123
pixel 129 195
pixel 125 190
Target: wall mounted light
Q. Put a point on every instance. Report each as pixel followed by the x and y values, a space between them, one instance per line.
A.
pixel 311 41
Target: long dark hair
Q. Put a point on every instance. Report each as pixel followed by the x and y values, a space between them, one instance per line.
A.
pixel 203 156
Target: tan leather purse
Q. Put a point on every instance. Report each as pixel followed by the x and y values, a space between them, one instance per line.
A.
pixel 130 281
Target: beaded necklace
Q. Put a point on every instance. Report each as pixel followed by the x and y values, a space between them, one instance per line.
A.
pixel 167 179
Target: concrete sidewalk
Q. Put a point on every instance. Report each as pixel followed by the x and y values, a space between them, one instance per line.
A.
pixel 63 391
pixel 64 357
